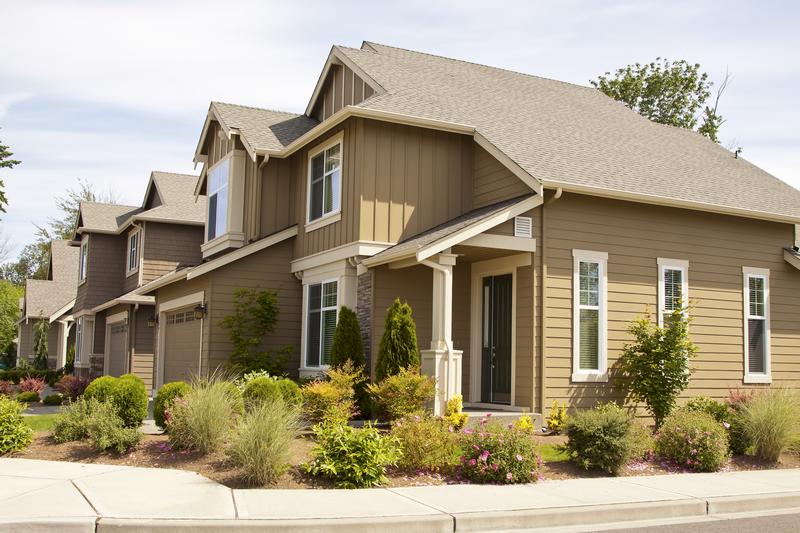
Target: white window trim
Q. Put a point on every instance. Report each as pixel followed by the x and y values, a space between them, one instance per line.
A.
pixel 83 260
pixel 226 159
pixel 335 215
pixel 305 368
pixel 747 273
pixel 138 234
pixel 601 374
pixel 672 264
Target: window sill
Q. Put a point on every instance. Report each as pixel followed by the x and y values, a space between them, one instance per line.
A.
pixel 313 371
pixel 81 282
pixel 757 378
pixel 330 218
pixel 222 243
pixel 590 378
pixel 131 273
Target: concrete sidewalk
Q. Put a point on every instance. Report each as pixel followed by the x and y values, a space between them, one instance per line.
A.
pixel 73 497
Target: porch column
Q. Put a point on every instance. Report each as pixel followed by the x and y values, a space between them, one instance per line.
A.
pixel 441 361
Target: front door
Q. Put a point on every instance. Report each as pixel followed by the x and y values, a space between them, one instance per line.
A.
pixel 496 339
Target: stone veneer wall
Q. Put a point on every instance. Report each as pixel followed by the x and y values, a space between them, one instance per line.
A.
pixel 364 313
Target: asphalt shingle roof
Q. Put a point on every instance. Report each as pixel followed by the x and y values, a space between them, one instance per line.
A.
pixel 96 216
pixel 569 134
pixel 264 129
pixel 45 297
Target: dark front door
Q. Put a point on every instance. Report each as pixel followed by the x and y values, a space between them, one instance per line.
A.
pixel 496 339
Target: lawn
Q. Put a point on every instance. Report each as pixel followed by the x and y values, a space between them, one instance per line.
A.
pixel 551 453
pixel 40 422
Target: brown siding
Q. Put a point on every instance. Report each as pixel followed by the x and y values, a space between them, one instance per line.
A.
pixel 278 205
pixel 635 235
pixel 99 340
pixel 494 182
pixel 342 87
pixel 105 271
pixel 142 337
pixel 130 281
pixel 217 146
pixel 169 246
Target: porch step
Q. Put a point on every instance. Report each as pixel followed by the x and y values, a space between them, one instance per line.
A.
pixel 475 415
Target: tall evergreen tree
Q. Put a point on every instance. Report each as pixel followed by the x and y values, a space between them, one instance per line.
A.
pixel 398 348
pixel 5 162
pixel 347 343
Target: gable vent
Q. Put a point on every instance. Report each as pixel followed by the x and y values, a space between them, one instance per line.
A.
pixel 523 227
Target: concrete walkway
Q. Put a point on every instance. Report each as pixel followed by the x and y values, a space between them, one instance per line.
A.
pixel 73 497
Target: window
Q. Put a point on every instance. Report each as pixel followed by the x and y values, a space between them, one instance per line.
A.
pixel 325 182
pixel 673 287
pixel 218 199
pixel 84 258
pixel 756 326
pixel 589 316
pixel 321 320
pixel 133 252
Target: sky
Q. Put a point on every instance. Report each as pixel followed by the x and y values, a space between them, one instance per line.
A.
pixel 108 91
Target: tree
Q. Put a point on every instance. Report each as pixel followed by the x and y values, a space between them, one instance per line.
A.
pixel 347 344
pixel 667 92
pixel 655 367
pixel 9 315
pixel 398 348
pixel 40 345
pixel 5 162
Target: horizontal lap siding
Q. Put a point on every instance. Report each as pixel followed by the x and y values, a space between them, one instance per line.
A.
pixel 105 271
pixel 493 181
pixel 142 356
pixel 635 235
pixel 169 246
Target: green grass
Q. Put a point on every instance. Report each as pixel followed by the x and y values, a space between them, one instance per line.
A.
pixel 552 454
pixel 40 422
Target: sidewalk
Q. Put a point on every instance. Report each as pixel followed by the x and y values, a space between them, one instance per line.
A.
pixel 73 497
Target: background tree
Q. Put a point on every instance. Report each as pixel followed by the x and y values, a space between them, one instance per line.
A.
pixel 667 92
pixel 9 315
pixel 398 348
pixel 40 345
pixel 5 162
pixel 347 344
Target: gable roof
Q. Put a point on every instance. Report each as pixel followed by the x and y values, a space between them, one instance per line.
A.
pixel 171 187
pixel 63 263
pixel 104 218
pixel 572 136
pixel 44 297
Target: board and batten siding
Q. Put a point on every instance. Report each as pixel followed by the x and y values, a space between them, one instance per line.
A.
pixel 634 235
pixel 342 87
pixel 169 246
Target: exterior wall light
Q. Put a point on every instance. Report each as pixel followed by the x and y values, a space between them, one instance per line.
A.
pixel 200 311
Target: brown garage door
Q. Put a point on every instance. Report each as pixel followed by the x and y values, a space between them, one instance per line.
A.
pixel 117 348
pixel 181 345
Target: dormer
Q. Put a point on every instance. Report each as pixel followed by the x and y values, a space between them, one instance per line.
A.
pixel 340 84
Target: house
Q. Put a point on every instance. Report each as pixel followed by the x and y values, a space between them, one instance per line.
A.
pixel 122 248
pixel 50 300
pixel 527 221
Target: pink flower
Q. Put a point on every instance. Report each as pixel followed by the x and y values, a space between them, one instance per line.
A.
pixel 726 425
pixel 495 466
pixel 484 456
pixel 509 476
pixel 473 462
pixel 467 431
pixel 519 457
pixel 450 429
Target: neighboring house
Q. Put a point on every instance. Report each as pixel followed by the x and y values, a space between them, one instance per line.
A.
pixel 50 300
pixel 122 248
pixel 527 221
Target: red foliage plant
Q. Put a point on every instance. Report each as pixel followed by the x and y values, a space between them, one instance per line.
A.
pixel 36 385
pixel 72 386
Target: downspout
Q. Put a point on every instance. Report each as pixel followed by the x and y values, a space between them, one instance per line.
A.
pixel 543 373
pixel 132 335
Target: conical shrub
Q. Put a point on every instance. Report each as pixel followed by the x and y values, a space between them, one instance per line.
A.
pixel 347 344
pixel 398 348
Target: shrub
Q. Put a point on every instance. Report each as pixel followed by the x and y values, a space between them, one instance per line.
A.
pixel 242 382
pixel 36 385
pixel 739 441
pixel 525 423
pixel 15 375
pixel 770 421
pixel 72 386
pixel 100 389
pixel 641 441
pixel 454 412
pixel 402 394
pixel 127 393
pixel 28 396
pixel 600 438
pixel 53 399
pixel 261 444
pixel 557 418
pixel 494 453
pixel 15 434
pixel 72 421
pixel 165 397
pixel 266 389
pixel 107 430
pixel 655 367
pixel 6 388
pixel 427 443
pixel 398 348
pixel 332 400
pixel 693 439
pixel 703 404
pixel 202 419
pixel 352 458
pixel 347 344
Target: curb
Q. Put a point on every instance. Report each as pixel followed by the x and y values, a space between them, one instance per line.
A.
pixel 755 502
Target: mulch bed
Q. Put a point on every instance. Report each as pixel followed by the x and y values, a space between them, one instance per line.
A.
pixel 155 452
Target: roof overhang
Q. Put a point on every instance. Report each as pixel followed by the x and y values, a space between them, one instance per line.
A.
pixel 335 57
pixel 59 313
pixel 228 131
pixel 125 300
pixel 792 257
pixel 163 281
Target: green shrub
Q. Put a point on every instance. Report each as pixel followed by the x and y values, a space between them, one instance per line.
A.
pixel 770 421
pixel 703 404
pixel 266 389
pixel 53 399
pixel 107 430
pixel 28 396
pixel 497 453
pixel 203 418
pixel 15 375
pixel 15 434
pixel 261 444
pixel 290 392
pixel 72 421
pixel 352 458
pixel 164 399
pixel 693 439
pixel 427 443
pixel 347 344
pixel 127 393
pixel 655 367
pixel 241 383
pixel 601 438
pixel 100 389
pixel 739 441
pixel 398 348
pixel 402 394
pixel 331 400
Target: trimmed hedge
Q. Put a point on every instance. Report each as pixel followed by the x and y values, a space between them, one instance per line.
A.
pixel 165 398
pixel 265 389
pixel 127 393
pixel 14 375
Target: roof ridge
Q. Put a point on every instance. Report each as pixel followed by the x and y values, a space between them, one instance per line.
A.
pixel 254 108
pixel 108 204
pixel 175 173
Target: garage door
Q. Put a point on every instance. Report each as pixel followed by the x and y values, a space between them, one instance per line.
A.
pixel 117 348
pixel 181 345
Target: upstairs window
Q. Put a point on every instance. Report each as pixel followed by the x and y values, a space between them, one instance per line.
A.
pixel 325 182
pixel 756 326
pixel 84 258
pixel 673 287
pixel 133 252
pixel 321 320
pixel 589 310
pixel 218 199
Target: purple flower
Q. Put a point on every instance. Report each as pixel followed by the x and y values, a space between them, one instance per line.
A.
pixel 509 476
pixel 473 462
pixel 484 456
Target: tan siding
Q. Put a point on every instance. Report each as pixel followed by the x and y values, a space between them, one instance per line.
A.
pixel 493 181
pixel 142 336
pixel 26 336
pixel 523 343
pixel 218 146
pixel 635 235
pixel 342 87
pixel 168 246
pixel 278 206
